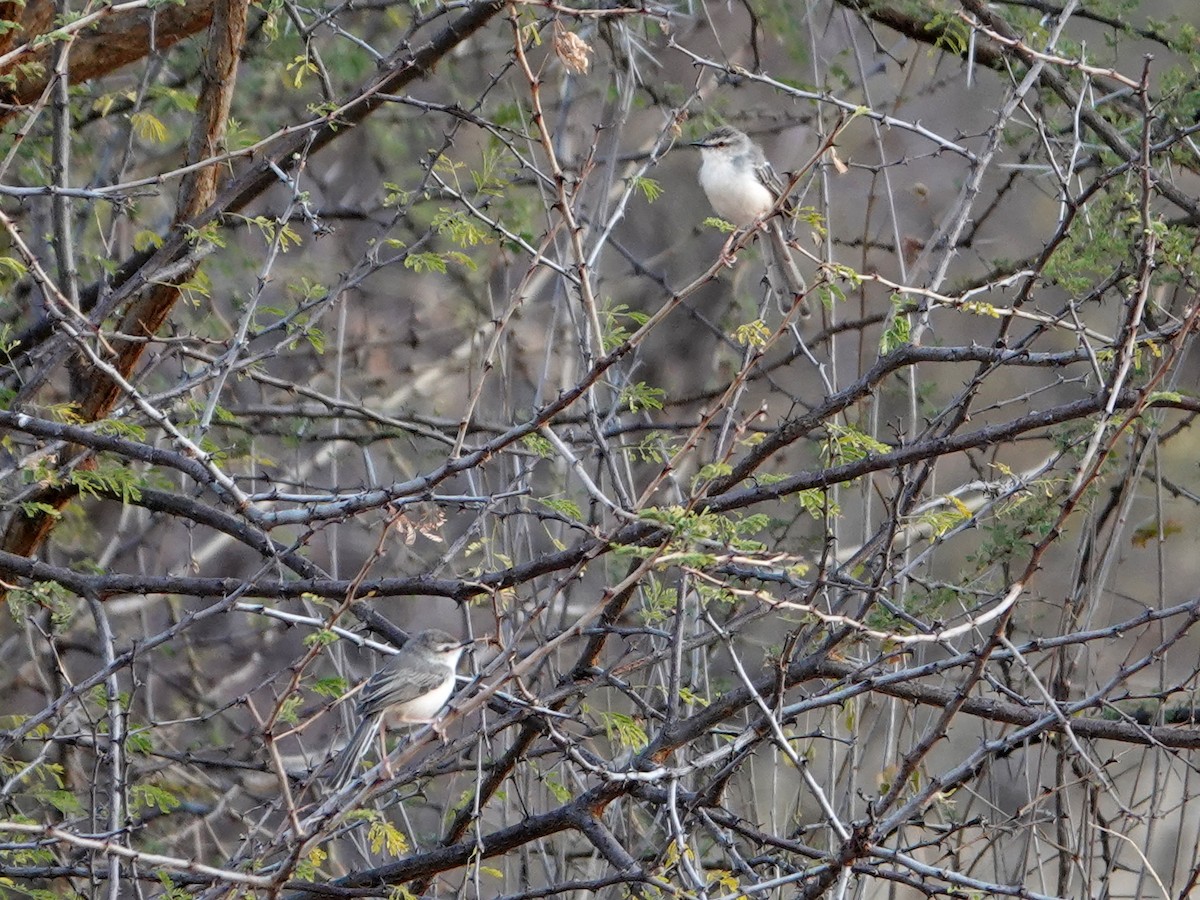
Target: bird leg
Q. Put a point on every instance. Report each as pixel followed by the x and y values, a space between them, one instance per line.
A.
pixel 383 753
pixel 435 725
pixel 728 257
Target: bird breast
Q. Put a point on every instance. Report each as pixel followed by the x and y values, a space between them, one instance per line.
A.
pixel 736 195
pixel 420 709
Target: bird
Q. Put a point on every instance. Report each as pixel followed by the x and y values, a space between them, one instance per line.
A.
pixel 742 188
pixel 410 688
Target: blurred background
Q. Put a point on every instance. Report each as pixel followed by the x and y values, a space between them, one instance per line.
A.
pixel 469 351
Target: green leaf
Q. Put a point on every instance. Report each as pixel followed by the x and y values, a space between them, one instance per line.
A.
pixel 15 266
pixel 199 285
pixel 898 331
pixel 425 262
pixel 953 34
pixel 648 188
pixel 33 508
pixel 1164 397
pixel 307 868
pixel 851 445
pixel 107 479
pixel 329 687
pixel 300 67
pixel 460 228
pixel 324 638
pixel 462 259
pixel 615 319
pixel 980 308
pixel 64 801
pixel 816 503
pixel 538 445
pixel 145 239
pixel 144 795
pixel 720 224
pixel 625 730
pixel 121 428
pixel 560 791
pixel 384 834
pixel 752 334
pixel 148 127
pixel 289 710
pixel 641 396
pixel 562 506
pixel 712 470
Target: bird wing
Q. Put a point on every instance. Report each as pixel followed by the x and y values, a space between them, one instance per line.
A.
pixel 768 176
pixel 395 683
pixel 776 185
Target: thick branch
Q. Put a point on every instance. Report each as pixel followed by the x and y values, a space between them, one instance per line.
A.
pixel 114 41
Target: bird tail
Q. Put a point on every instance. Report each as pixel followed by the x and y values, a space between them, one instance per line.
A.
pixel 355 750
pixel 782 272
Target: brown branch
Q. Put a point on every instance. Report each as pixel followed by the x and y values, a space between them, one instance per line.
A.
pixel 534 828
pixel 196 192
pixel 143 319
pixel 893 685
pixel 636 534
pixel 198 207
pixel 114 41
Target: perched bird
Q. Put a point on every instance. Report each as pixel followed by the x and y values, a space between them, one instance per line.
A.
pixel 742 188
pixel 410 688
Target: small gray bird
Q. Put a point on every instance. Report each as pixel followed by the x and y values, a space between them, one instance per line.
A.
pixel 743 188
pixel 410 688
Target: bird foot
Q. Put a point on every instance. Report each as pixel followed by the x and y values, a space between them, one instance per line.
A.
pixel 436 727
pixel 728 258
